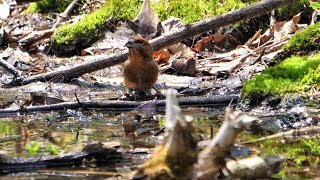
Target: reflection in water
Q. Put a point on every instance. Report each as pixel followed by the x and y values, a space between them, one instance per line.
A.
pixel 55 133
pixel 47 134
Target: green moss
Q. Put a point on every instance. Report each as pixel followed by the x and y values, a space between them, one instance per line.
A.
pixel 307 39
pixel 188 11
pixel 287 12
pixel 195 10
pixel 298 151
pixel 44 6
pixel 91 25
pixel 292 75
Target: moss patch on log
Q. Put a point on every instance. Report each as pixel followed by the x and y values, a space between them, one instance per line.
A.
pixel 305 40
pixel 298 73
pixel 89 28
pixel 300 151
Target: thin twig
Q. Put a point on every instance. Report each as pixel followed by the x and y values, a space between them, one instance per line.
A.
pixel 10 68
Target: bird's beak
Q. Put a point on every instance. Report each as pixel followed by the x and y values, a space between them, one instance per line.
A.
pixel 129 44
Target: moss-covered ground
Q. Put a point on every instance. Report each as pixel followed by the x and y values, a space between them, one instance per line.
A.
pixel 294 74
pixel 44 6
pixel 305 40
pixel 299 153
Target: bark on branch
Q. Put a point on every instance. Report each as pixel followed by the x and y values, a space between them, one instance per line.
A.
pixel 163 41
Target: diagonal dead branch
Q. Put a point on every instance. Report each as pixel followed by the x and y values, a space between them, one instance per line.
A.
pixel 11 69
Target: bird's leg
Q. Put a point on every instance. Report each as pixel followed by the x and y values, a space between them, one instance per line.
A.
pixel 131 94
pixel 147 92
pixel 158 92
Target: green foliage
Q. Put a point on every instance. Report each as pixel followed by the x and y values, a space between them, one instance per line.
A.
pixel 122 9
pixel 307 39
pixel 293 74
pixel 280 175
pixel 297 151
pixel 48 5
pixel 226 6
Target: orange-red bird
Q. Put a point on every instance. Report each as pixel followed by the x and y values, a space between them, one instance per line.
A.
pixel 140 71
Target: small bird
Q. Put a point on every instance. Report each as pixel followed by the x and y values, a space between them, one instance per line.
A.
pixel 140 71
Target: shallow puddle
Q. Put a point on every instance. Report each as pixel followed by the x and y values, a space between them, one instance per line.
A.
pixel 49 134
pixel 135 136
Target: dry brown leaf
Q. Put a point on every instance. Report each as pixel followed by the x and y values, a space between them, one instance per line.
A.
pixel 161 56
pixel 290 27
pixel 147 22
pixel 172 24
pixel 254 37
pixel 186 66
pixel 218 42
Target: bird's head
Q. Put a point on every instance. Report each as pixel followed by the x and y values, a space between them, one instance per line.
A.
pixel 139 45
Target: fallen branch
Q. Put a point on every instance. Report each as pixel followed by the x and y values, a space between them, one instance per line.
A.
pixel 254 167
pixel 65 14
pixel 7 66
pixel 232 65
pixel 126 105
pixel 174 158
pixel 162 41
pixel 101 152
pixel 35 37
pixel 309 131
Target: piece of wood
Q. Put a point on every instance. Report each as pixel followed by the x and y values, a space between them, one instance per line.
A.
pixel 212 158
pixel 11 69
pixel 162 41
pixel 62 16
pixel 219 100
pixel 176 156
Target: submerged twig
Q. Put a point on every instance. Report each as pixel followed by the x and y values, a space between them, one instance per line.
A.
pixel 291 133
pixel 212 101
